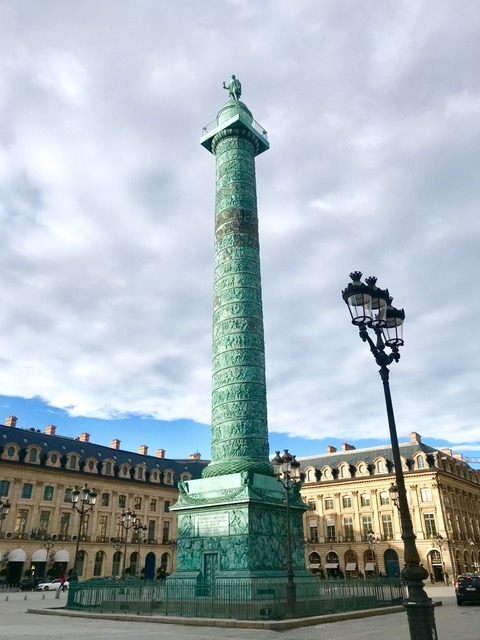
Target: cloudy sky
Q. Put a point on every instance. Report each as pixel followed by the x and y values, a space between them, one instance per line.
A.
pixel 107 210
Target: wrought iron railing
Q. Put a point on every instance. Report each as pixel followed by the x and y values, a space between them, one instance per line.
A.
pixel 214 124
pixel 243 599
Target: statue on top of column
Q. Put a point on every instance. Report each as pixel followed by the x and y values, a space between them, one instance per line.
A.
pixel 234 88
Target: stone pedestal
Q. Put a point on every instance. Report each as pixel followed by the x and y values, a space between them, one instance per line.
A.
pixel 234 526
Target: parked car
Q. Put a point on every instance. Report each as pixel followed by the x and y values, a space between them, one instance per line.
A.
pixel 467 588
pixel 50 585
pixel 27 584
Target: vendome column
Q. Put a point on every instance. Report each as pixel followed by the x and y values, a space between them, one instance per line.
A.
pixel 231 523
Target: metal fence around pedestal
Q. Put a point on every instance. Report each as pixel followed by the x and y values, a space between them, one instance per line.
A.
pixel 240 599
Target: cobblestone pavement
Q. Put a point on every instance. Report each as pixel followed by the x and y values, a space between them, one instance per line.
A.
pixel 453 623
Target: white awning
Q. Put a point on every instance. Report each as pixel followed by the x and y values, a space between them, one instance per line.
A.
pixel 314 565
pixel 369 566
pixel 40 555
pixel 351 566
pixel 17 555
pixel 61 556
pixel 331 565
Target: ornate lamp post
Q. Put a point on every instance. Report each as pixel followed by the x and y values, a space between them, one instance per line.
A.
pixel 371 309
pixel 5 505
pixel 440 542
pixel 83 501
pixel 48 545
pixel 287 470
pixel 471 542
pixel 373 540
pixel 138 530
pixel 126 521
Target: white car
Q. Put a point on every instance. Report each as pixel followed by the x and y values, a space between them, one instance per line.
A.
pixel 52 584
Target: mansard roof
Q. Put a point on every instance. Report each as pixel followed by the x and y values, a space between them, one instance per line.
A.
pixel 368 454
pixel 65 446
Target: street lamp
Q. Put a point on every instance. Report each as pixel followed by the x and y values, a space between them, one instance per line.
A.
pixel 126 521
pixel 5 505
pixel 471 542
pixel 287 470
pixel 138 530
pixel 373 540
pixel 371 309
pixel 83 501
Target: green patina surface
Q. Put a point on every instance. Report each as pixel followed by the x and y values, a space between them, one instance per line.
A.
pixel 239 402
pixel 240 520
pixel 232 522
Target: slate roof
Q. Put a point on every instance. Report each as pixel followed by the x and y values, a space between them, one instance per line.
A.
pixel 65 445
pixel 369 455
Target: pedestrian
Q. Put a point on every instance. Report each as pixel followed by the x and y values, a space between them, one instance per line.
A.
pixel 63 580
pixel 432 579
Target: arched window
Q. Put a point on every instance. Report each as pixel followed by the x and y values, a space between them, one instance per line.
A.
pixel 98 565
pixel 81 558
pixel 33 455
pixel 164 561
pixel 420 462
pixel 134 563
pixel 108 468
pixel 344 471
pixel 381 468
pixel 117 564
pixel 73 462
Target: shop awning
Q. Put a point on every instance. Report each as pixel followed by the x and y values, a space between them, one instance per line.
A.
pixel 331 565
pixel 316 565
pixel 351 566
pixel 17 555
pixel 40 555
pixel 61 556
pixel 369 566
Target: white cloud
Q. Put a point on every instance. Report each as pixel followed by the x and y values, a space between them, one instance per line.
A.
pixel 107 200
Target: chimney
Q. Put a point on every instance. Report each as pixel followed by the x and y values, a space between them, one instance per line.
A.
pixel 195 456
pixel 447 451
pixel 160 453
pixel 458 456
pixel 143 450
pixel 415 438
pixel 115 443
pixel 347 447
pixel 331 449
pixel 84 437
pixel 50 430
pixel 11 421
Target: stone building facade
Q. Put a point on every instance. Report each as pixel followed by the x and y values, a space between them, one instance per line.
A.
pixel 353 527
pixel 39 470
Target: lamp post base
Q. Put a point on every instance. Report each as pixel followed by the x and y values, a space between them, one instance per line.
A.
pixel 291 599
pixel 421 620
